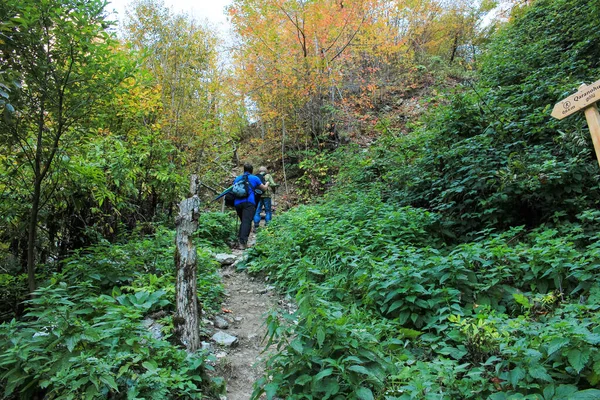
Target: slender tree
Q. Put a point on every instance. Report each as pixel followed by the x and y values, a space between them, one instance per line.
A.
pixel 61 54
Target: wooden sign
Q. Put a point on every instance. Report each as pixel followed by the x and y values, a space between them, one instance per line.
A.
pixel 585 99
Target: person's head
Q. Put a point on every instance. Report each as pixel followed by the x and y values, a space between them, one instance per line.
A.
pixel 262 170
pixel 248 168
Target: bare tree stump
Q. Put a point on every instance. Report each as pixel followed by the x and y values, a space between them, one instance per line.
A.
pixel 186 320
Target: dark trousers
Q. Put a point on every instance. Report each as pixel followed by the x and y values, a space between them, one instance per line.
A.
pixel 246 212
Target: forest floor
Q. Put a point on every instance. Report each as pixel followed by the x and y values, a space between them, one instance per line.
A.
pixel 246 304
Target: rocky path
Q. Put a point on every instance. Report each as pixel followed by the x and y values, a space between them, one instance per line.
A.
pixel 247 301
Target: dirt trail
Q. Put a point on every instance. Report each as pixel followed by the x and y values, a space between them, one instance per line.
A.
pixel 249 299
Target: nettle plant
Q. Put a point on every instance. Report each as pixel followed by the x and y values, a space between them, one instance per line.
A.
pixel 327 351
pixel 76 345
pixel 83 336
pixel 379 292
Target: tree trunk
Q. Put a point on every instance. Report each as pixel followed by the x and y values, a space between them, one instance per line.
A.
pixel 283 154
pixel 35 200
pixel 186 320
pixel 33 218
pixel 454 48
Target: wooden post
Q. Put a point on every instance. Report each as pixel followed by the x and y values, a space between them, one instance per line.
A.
pixel 585 98
pixel 593 120
pixel 186 321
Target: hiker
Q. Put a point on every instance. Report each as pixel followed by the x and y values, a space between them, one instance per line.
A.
pixel 265 199
pixel 245 207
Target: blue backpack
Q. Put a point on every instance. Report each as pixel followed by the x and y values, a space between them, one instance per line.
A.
pixel 241 189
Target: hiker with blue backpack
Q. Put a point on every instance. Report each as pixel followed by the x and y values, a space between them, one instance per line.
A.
pixel 244 190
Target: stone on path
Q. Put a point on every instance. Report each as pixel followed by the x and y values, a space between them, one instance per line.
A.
pixel 224 339
pixel 225 259
pixel 221 322
pixel 221 354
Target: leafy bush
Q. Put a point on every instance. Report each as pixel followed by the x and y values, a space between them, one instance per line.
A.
pixel 385 305
pixel 216 230
pixel 108 264
pixel 75 345
pixel 317 169
pixel 83 336
pixel 13 289
pixel 143 265
pixel 333 352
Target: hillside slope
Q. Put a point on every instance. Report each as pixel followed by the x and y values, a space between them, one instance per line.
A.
pixel 461 260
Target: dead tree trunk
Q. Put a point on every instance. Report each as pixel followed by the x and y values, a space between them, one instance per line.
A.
pixel 186 320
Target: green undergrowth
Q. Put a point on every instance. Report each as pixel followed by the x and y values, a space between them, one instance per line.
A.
pixel 83 336
pixel 387 310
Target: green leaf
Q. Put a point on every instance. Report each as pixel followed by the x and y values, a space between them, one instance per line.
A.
pixel 557 344
pixel 364 393
pixel 151 366
pixel 360 369
pixel 597 367
pixel 564 392
pixel 593 378
pixel 320 336
pixel 303 380
pixel 132 392
pixel 123 369
pixel 414 317
pixel 71 342
pixel 323 374
pixel 589 394
pixel 515 376
pixel 409 333
pixel 403 317
pixel 578 359
pixel 522 300
pixel 109 380
pixel 90 392
pixel 271 390
pixel 332 387
pixel 395 305
pixel 358 360
pixel 329 386
pixel 548 392
pixel 539 372
pixel 296 344
pixel 453 352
